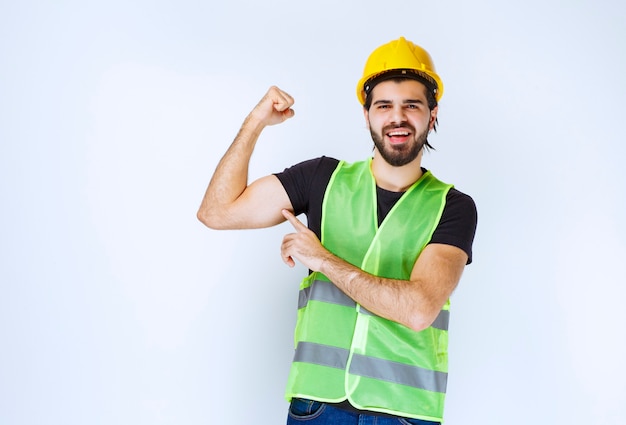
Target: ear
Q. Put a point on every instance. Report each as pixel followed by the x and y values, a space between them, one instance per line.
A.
pixel 433 118
pixel 367 117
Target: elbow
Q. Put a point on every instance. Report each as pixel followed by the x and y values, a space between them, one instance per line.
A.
pixel 417 324
pixel 210 219
pixel 204 218
pixel 420 320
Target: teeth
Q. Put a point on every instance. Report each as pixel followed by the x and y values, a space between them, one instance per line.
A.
pixel 398 133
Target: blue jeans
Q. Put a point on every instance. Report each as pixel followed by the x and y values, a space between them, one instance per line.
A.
pixel 315 413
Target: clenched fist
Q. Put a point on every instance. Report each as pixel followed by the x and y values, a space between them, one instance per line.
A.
pixel 274 107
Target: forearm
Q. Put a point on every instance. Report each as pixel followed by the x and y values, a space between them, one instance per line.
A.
pixel 230 178
pixel 414 302
pixel 394 299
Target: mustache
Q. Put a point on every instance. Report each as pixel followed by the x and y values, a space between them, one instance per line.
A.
pixel 404 124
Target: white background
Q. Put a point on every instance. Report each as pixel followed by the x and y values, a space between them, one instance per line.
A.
pixel 118 307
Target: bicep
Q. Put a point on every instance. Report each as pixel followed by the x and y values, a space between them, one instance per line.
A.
pixel 259 205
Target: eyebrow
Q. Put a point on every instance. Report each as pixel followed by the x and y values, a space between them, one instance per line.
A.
pixel 420 101
pixel 404 102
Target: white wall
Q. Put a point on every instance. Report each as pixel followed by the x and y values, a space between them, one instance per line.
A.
pixel 118 307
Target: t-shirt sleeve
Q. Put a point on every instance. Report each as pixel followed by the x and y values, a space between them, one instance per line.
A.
pixel 458 222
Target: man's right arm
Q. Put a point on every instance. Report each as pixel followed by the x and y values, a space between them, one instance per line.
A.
pixel 229 202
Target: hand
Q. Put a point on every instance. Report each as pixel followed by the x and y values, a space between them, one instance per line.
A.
pixel 302 245
pixel 274 107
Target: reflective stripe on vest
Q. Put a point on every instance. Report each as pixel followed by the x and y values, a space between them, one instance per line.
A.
pixel 372 367
pixel 344 352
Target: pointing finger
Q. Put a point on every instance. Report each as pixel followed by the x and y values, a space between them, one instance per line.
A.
pixel 297 224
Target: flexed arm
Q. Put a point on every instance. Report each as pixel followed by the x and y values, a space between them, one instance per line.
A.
pixel 229 202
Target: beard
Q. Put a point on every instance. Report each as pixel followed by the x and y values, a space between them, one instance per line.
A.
pixel 399 155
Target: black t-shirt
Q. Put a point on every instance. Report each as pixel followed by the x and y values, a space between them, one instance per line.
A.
pixel 305 184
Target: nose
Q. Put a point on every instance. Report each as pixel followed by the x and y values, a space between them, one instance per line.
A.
pixel 398 114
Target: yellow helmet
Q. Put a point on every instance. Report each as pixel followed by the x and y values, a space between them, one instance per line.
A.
pixel 405 59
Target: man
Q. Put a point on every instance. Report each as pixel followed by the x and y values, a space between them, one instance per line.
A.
pixel 386 245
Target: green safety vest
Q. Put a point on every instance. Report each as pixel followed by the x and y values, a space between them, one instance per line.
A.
pixel 344 352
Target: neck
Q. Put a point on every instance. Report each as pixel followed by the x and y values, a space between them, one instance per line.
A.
pixel 396 179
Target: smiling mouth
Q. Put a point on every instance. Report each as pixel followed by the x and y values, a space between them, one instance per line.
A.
pixel 398 136
pixel 398 133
